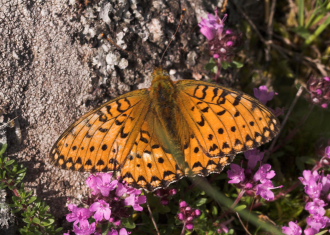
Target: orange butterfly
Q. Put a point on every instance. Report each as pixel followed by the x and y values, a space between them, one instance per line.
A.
pixel 156 136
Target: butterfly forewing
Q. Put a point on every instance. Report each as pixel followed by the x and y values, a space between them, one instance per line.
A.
pixel 102 138
pixel 225 121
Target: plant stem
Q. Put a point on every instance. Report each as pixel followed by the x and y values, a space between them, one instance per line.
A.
pixel 183 228
pixel 152 218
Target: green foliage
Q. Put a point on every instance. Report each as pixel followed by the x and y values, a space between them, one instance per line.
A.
pixel 33 213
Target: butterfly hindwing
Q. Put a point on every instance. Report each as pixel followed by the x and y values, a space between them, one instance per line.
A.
pixel 149 165
pixel 200 163
pixel 224 121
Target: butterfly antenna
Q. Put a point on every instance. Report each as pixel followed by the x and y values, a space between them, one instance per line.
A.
pixel 176 31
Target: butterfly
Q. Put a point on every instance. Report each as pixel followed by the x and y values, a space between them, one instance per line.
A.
pixel 154 137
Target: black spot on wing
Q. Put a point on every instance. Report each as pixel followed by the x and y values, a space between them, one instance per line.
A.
pixel 205 110
pixel 119 108
pixel 237 100
pixel 123 135
pixel 79 160
pixel 215 93
pixel 118 123
pixel 197 164
pixel 102 116
pixel 100 162
pixel 103 130
pixel 213 148
pixel 108 107
pixel 221 112
pixel 202 122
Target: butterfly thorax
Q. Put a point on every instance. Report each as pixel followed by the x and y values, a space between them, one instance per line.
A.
pixel 163 103
pixel 162 94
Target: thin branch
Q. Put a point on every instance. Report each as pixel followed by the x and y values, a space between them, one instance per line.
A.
pixel 270 29
pixel 239 218
pixel 298 94
pixel 152 218
pixel 251 23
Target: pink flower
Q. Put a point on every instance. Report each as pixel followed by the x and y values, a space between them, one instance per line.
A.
pixel 263 94
pixel 84 229
pixel 135 201
pixel 101 183
pixel 212 26
pixel 316 207
pixel 318 222
pixel 121 190
pixel 101 209
pixel 122 231
pixel 188 214
pixel 253 156
pixel 78 215
pixel 264 173
pixel 264 190
pixel 325 183
pixel 293 229
pixel 312 185
pixel 236 174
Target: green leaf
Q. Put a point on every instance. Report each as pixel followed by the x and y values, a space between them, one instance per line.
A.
pixel 201 201
pixel 238 64
pixel 3 149
pixel 240 207
pixel 322 232
pixel 36 220
pixel 27 220
pixel 8 163
pixel 214 210
pixel 211 67
pixel 128 223
pixel 302 31
pixel 32 199
pixel 226 65
pixel 318 31
pixel 301 15
pixel 47 222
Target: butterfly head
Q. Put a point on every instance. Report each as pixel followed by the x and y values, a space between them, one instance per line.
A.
pixel 160 74
pixel 161 82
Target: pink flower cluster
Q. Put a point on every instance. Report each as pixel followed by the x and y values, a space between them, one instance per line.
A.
pixel 111 201
pixel 188 214
pixel 165 195
pixel 319 90
pixel 223 42
pixel 317 187
pixel 253 181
